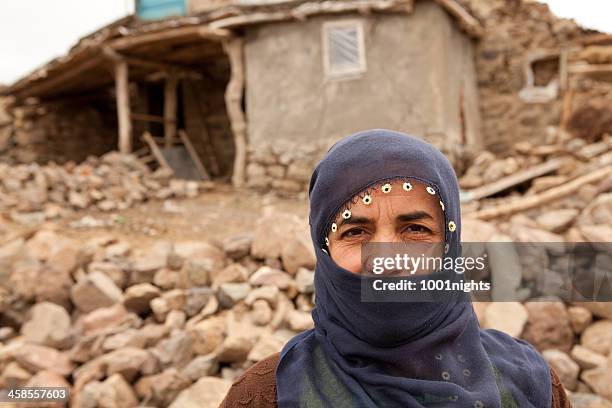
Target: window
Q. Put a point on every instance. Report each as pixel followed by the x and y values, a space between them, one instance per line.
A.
pixel 343 49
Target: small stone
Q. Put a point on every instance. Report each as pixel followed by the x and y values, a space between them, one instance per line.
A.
pixel 138 297
pixel 548 325
pixel 587 358
pixel 176 319
pixel 201 366
pixel 49 325
pixel 508 317
pixel 599 309
pixel 299 321
pixel 207 392
pixel 598 337
pixel 588 400
pixel 14 375
pixel 304 280
pixel 95 290
pixel 268 293
pixel 233 273
pixel 599 380
pixel 298 252
pixel 160 389
pixel 557 221
pixel 267 345
pixel 107 318
pixel 176 350
pixel 36 358
pixel 564 366
pixel 580 318
pixel 234 349
pixel 129 362
pixel 116 392
pixel 270 276
pixel 262 312
pixel 208 335
pixel 238 246
pixel 231 293
pixel 128 338
pixel 197 298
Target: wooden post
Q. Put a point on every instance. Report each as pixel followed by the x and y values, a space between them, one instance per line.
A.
pixel 123 106
pixel 170 103
pixel 233 103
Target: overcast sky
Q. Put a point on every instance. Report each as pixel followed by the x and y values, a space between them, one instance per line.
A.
pixel 33 32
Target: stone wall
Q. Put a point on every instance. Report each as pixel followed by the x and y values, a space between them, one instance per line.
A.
pixel 514 30
pixel 295 111
pixel 6 126
pixel 62 131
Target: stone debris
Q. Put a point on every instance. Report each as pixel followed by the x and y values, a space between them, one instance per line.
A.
pixel 32 193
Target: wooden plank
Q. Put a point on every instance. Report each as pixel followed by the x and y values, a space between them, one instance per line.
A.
pixel 512 180
pixel 304 10
pixel 164 67
pixel 123 106
pixel 194 155
pixel 233 103
pixel 170 106
pixel 528 202
pixel 464 19
pixel 145 117
pixel 155 150
pixel 590 68
pixel 168 34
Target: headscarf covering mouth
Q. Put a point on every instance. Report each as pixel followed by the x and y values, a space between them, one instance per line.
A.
pixel 409 354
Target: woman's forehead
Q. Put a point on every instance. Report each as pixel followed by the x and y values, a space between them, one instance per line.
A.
pixel 395 197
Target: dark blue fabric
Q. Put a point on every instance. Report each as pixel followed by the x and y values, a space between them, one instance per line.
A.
pixel 397 354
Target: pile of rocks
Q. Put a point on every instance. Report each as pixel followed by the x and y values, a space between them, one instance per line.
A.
pixel 567 201
pixel 169 325
pixel 31 193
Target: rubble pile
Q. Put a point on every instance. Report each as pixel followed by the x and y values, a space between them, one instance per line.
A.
pixel 557 187
pixel 174 323
pixel 517 34
pixel 31 193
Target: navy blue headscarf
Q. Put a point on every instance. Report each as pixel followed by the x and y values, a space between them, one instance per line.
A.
pixel 397 354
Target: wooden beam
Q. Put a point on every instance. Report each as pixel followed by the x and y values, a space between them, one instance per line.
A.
pixel 304 10
pixel 233 103
pixel 168 34
pixel 590 68
pixel 165 67
pixel 148 118
pixel 465 20
pixel 512 180
pixel 532 201
pixel 194 155
pixel 155 150
pixel 170 105
pixel 123 106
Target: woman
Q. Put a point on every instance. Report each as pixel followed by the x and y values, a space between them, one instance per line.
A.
pixel 384 186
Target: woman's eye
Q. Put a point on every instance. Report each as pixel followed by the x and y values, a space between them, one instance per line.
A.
pixel 421 229
pixel 352 233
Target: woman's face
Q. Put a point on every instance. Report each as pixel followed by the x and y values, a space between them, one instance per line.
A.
pixel 413 216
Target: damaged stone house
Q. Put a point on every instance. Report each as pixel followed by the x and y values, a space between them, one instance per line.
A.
pixel 263 88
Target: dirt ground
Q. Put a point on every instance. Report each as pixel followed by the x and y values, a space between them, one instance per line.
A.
pixel 214 215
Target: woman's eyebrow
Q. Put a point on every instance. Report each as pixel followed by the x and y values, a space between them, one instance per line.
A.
pixel 414 216
pixel 355 220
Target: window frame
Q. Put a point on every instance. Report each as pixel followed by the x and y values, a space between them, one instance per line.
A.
pixel 343 74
